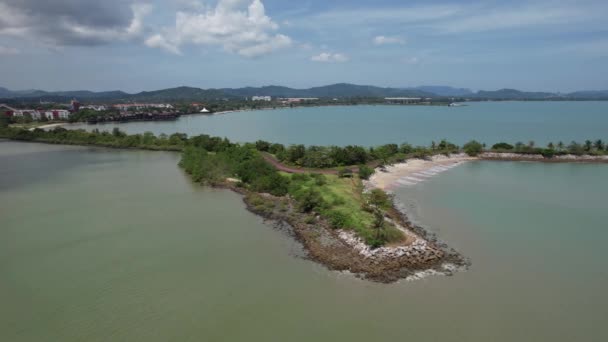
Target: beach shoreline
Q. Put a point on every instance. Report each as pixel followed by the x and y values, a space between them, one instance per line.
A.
pixel 414 170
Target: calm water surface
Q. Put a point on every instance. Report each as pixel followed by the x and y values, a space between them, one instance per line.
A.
pixel 488 122
pixel 105 245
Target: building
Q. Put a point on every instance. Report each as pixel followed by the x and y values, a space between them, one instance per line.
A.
pixel 57 114
pixel 142 106
pixel 97 108
pixel 298 99
pixel 403 100
pixel 13 112
pixel 52 114
pixel 74 106
pixel 261 98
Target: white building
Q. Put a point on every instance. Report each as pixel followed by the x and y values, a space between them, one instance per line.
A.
pixel 298 99
pixel 57 114
pixel 97 108
pixel 140 106
pixel 261 98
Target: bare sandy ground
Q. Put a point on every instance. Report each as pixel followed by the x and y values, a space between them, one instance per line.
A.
pixel 48 126
pixel 414 170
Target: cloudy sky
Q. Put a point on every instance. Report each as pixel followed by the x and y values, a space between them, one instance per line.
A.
pixel 151 44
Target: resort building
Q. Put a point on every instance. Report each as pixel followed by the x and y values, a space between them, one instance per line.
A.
pixel 141 106
pixel 52 114
pixel 97 108
pixel 298 99
pixel 57 114
pixel 403 100
pixel 261 98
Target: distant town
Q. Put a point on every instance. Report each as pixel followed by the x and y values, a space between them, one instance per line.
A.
pixel 74 111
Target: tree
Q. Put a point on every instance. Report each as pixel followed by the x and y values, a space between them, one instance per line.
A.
pixel 262 145
pixel 598 145
pixel 560 146
pixel 433 145
pixel 502 146
pixel 473 148
pixel 531 144
pixel 550 146
pixel 378 226
pixel 588 145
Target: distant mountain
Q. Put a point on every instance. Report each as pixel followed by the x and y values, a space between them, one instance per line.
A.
pixel 339 90
pixel 446 91
pixel 513 94
pixel 333 90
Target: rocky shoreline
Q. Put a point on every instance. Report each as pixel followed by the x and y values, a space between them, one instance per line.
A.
pixel 342 250
pixel 565 158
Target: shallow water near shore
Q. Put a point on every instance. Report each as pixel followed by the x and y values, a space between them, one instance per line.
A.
pixel 488 122
pixel 99 245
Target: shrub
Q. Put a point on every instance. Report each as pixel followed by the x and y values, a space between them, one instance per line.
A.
pixel 320 179
pixel 380 198
pixel 502 146
pixel 473 148
pixel 300 177
pixel 365 171
pixel 337 219
pixel 345 172
pixel 309 200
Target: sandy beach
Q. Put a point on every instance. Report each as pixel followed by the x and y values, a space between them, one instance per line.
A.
pixel 49 126
pixel 415 170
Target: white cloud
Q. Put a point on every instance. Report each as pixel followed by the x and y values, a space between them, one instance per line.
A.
pixel 330 57
pixel 245 30
pixel 384 40
pixel 6 51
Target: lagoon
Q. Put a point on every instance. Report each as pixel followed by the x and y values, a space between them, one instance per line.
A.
pixel 488 122
pixel 101 245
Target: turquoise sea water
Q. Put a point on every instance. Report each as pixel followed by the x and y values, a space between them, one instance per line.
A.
pixel 488 122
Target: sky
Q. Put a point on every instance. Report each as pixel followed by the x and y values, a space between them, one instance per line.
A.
pixel 542 45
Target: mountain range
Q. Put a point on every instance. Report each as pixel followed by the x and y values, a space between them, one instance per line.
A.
pixel 340 90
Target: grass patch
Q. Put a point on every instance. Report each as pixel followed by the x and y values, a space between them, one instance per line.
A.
pixel 341 203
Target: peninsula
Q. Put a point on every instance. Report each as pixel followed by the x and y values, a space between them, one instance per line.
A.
pixel 334 200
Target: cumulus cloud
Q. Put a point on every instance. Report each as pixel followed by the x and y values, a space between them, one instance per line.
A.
pixel 5 51
pixel 231 24
pixel 384 40
pixel 327 57
pixel 70 22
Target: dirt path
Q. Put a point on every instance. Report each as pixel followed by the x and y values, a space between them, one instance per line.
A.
pixel 289 169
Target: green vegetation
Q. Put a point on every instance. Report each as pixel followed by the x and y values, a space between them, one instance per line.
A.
pixel 342 202
pixel 473 148
pixel 597 147
pixel 338 198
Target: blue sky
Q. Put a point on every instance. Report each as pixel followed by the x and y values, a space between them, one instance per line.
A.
pixel 147 45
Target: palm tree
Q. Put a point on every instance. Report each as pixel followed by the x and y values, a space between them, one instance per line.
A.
pixel 433 145
pixel 588 145
pixel 531 144
pixel 550 146
pixel 560 145
pixel 598 144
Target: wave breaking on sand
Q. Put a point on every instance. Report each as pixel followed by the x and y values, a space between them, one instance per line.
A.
pixel 414 171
